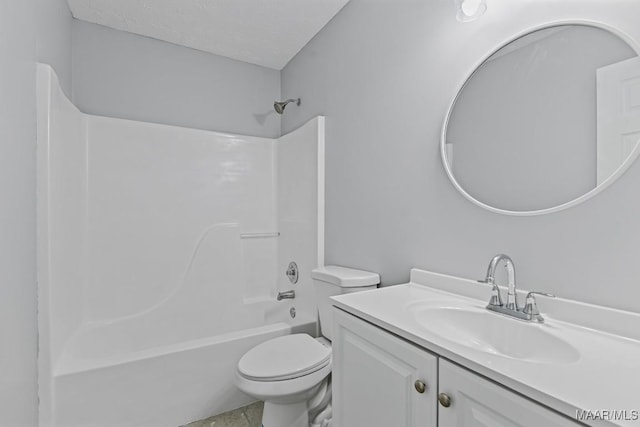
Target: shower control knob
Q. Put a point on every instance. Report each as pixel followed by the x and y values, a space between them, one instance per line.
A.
pixel 292 272
pixel 420 386
pixel 444 400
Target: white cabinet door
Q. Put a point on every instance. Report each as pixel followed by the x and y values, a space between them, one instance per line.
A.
pixel 374 378
pixel 477 402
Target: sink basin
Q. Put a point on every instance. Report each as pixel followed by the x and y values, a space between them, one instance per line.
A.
pixel 481 330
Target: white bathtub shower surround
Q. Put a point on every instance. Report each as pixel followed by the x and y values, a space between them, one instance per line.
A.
pixel 300 177
pixel 159 261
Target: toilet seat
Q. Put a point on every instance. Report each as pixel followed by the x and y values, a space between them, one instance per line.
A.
pixel 284 358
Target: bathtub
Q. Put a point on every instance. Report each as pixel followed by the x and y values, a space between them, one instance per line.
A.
pixel 170 385
pixel 160 252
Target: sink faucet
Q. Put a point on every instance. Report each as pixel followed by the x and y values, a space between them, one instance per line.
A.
pixel 530 312
pixel 512 298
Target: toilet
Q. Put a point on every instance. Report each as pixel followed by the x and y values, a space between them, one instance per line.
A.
pixel 287 372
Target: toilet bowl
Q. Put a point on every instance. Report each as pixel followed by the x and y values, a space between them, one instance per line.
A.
pixel 286 372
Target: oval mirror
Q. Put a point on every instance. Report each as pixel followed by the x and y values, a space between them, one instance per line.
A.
pixel 546 121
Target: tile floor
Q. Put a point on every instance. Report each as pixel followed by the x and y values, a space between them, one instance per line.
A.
pixel 247 416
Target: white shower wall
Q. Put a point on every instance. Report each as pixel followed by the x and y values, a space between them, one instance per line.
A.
pixel 300 201
pixel 154 192
pixel 157 240
pixel 141 215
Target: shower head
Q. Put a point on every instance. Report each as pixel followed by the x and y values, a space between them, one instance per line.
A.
pixel 279 105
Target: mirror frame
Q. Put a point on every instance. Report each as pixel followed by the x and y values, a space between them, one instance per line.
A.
pixel 610 180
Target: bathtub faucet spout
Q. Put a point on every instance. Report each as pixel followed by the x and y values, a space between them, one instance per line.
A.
pixel 286 295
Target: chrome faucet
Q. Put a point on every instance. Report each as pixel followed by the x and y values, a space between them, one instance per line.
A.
pixel 286 295
pixel 530 312
pixel 512 298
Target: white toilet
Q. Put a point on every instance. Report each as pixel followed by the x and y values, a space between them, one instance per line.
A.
pixel 287 371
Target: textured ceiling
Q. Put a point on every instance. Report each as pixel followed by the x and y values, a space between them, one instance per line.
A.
pixel 263 32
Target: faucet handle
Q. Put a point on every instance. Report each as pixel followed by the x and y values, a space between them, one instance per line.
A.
pixel 531 307
pixel 496 298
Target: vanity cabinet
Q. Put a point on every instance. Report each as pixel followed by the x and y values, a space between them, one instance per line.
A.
pixel 378 378
pixel 377 383
pixel 478 402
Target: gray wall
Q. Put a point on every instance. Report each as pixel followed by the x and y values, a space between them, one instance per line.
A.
pixel 124 75
pixel 384 73
pixel 23 40
pixel 53 44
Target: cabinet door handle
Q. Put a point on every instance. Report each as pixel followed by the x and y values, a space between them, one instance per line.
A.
pixel 444 400
pixel 420 386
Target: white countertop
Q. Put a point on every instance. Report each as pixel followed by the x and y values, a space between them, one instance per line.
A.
pixel 606 375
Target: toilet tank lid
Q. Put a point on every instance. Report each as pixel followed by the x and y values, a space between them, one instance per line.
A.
pixel 345 277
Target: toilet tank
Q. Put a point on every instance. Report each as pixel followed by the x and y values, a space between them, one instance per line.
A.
pixel 335 280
